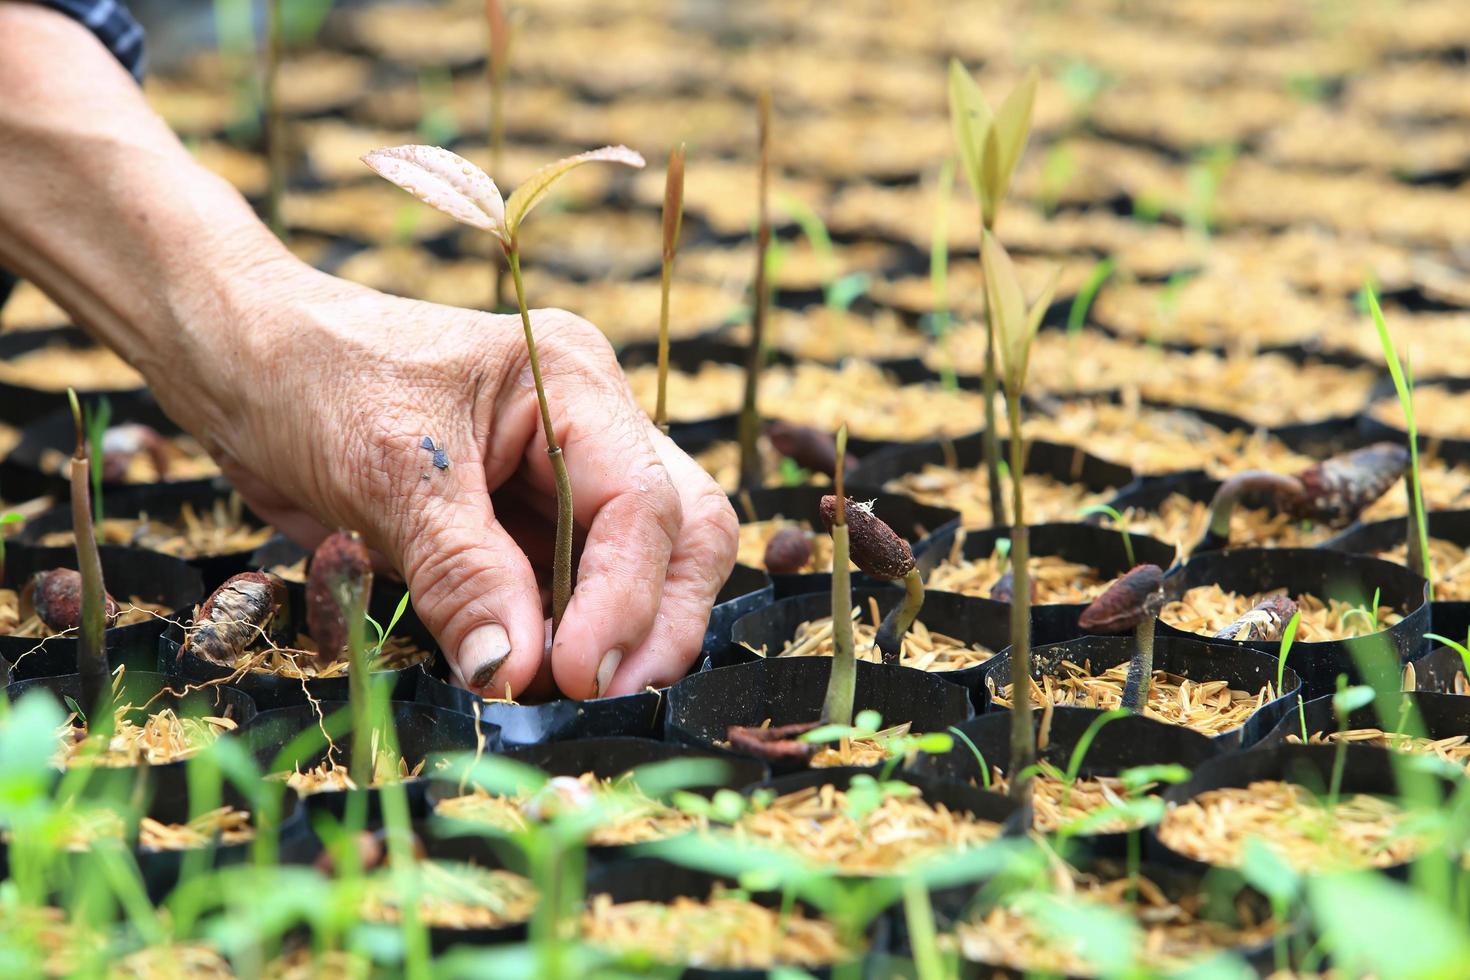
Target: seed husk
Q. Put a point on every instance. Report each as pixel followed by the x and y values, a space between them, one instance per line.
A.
pixel 1208 609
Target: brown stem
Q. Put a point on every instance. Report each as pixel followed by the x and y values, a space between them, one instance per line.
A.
pixel 1141 667
pixel 92 666
pixel 561 570
pixel 1222 506
pixel 275 137
pixel 842 679
pixel 990 440
pixel 673 220
pixel 1023 736
pixel 751 475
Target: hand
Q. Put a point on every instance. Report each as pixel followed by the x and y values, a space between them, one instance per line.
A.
pixel 324 426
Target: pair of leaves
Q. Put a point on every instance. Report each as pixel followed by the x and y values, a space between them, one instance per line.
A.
pixel 989 143
pixel 466 193
pixel 1015 324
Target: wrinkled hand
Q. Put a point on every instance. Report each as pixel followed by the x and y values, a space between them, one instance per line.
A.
pixel 333 396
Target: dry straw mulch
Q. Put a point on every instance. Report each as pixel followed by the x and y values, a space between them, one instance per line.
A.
pixel 1055 579
pixel 1209 707
pixel 920 648
pixel 1454 749
pixel 1056 804
pixel 636 818
pixel 1017 932
pixel 725 932
pixel 456 896
pixel 163 737
pixel 1361 831
pixel 1449 565
pixel 1208 609
pixel 1182 522
pixel 136 610
pixel 822 826
pixel 967 490
pixel 217 531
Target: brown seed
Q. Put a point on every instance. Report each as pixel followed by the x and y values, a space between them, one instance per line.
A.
pixel 56 597
pixel 1336 490
pixel 122 442
pixel 810 448
pixel 1004 589
pixel 341 562
pixel 874 546
pixel 1263 622
pixel 788 551
pixel 235 617
pixel 779 743
pixel 1122 606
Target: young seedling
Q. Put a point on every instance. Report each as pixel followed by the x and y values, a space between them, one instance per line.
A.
pixel 1334 491
pixel 497 68
pixel 839 291
pixel 842 682
pixel 1118 521
pixel 939 322
pixel 1344 703
pixel 1367 613
pixel 1403 386
pixel 990 145
pixel 751 476
pixel 92 598
pixel 337 590
pixel 284 25
pixel 673 222
pixel 1082 304
pixel 98 419
pixel 1015 327
pixel 1131 603
pixel 463 191
pixel 878 551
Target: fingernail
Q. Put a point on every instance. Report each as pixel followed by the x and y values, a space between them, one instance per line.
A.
pixel 605 671
pixel 482 653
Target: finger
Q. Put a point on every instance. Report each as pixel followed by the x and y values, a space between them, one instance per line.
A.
pixel 474 589
pixel 703 556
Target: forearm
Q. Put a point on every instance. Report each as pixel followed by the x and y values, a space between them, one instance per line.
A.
pixel 105 210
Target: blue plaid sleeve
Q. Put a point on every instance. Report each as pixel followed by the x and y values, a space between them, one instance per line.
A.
pixel 114 26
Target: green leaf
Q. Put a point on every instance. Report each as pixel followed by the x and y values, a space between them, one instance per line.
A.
pixel 1137 777
pixel 1288 636
pixel 1374 925
pixel 970 119
pixel 1104 937
pixel 658 779
pixel 1265 871
pixel 539 184
pixel 1350 699
pixel 1012 129
pixel 1082 302
pixel 934 743
pixel 868 721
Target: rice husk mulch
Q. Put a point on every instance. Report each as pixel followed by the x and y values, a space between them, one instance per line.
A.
pixel 636 818
pixel 1446 487
pixel 59 367
pixel 967 490
pixel 1361 831
pixel 224 825
pixel 220 530
pixel 920 648
pixel 1449 566
pixel 1454 749
pixel 163 737
pixel 1182 522
pixel 173 961
pixel 1209 707
pixel 1055 579
pixel 1017 932
pixel 1208 609
pixel 453 895
pixel 1055 805
pixel 724 932
pixel 820 825
pixel 331 775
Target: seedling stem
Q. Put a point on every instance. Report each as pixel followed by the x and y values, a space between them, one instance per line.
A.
pixel 673 222
pixel 842 683
pixel 750 464
pixel 96 677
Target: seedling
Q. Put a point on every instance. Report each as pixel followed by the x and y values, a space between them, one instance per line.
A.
pixel 673 222
pixel 1368 613
pixel 382 633
pixel 463 191
pixel 1334 491
pixel 1204 177
pixel 336 603
pixel 497 68
pixel 98 419
pixel 1132 602
pixel 1015 326
pixel 1403 385
pixel 1288 637
pixel 95 675
pixel 9 517
pixel 897 742
pixel 750 463
pixel 1082 304
pixel 1118 521
pixel 990 145
pixel 842 682
pixel 1264 622
pixel 939 320
pixel 1344 703
pixel 839 291
pixel 878 551
pixel 284 26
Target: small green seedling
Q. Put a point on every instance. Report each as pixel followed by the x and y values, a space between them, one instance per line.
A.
pixel 990 144
pixel 383 633
pixel 1288 637
pixel 1015 328
pixel 1366 613
pixel 96 676
pixel 939 321
pixel 1118 521
pixel 98 417
pixel 1403 385
pixel 842 681
pixel 751 475
pixel 463 191
pixel 1344 703
pixel 672 224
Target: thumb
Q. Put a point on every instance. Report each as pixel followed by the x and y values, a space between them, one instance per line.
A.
pixel 476 592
